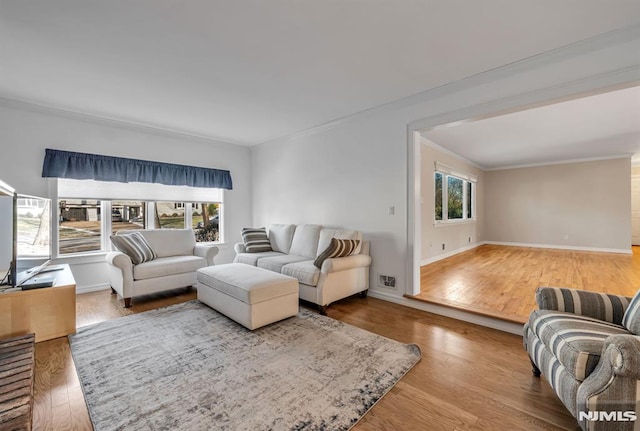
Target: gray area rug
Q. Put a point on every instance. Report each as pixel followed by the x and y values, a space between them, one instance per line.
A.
pixel 187 367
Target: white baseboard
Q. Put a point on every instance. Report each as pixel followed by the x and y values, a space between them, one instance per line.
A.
pixel 424 262
pixel 561 247
pixel 92 288
pixel 500 325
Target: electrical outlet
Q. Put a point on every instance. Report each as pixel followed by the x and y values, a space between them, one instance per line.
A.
pixel 388 281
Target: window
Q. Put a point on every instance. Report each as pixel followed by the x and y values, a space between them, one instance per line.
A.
pixel 206 223
pixel 169 215
pixel 130 206
pixel 438 196
pixel 454 196
pixel 128 215
pixel 80 227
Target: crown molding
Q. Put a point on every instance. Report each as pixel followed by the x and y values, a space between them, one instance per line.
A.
pixel 28 105
pixel 430 143
pixel 563 162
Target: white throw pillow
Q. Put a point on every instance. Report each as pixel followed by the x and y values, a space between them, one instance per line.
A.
pixel 305 240
pixel 280 236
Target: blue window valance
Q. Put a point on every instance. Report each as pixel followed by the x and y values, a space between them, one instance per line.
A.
pixel 81 166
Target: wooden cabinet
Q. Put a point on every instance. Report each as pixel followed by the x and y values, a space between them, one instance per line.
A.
pixel 48 312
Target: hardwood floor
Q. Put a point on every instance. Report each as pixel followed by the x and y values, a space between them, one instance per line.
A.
pixel 469 377
pixel 501 281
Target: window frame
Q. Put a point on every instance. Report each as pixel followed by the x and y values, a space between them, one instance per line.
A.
pixel 445 220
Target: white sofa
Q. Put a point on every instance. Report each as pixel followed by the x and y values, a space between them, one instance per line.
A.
pixel 294 251
pixel 179 257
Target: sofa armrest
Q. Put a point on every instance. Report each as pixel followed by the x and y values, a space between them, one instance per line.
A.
pixel 120 273
pixel 614 385
pixel 206 251
pixel 239 248
pixel 622 352
pixel 345 263
pixel 601 306
pixel 119 259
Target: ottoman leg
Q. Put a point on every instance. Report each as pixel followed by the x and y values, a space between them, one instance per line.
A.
pixel 127 302
pixel 323 309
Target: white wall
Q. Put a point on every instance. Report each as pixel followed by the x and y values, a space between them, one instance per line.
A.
pixel 585 205
pixel 25 132
pixel 455 236
pixel 349 172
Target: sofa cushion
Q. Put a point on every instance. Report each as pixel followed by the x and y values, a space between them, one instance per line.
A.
pixel 164 266
pixel 276 263
pixel 337 248
pixel 280 237
pixel 255 240
pixel 576 341
pixel 305 272
pixel 631 319
pixel 135 246
pixel 253 258
pixel 305 240
pixel 326 235
pixel 169 242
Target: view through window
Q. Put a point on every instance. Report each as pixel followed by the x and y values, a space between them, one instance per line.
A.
pixel 81 227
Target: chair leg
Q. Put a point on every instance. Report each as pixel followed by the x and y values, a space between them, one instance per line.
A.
pixel 127 302
pixel 535 370
pixel 364 293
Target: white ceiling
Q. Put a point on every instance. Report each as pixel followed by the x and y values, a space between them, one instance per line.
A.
pixel 591 127
pixel 248 71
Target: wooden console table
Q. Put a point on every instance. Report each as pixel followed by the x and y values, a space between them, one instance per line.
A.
pixel 49 312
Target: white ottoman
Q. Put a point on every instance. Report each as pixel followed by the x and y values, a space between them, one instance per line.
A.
pixel 251 296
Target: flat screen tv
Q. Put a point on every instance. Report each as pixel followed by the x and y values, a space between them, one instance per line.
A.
pixel 26 226
pixel 8 234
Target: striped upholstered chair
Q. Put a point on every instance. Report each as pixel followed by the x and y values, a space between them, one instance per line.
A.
pixel 587 346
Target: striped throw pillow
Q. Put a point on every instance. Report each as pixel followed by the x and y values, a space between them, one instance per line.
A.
pixel 337 248
pixel 631 319
pixel 255 240
pixel 135 246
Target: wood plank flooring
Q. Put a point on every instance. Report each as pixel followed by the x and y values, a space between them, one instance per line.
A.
pixel 501 281
pixel 469 378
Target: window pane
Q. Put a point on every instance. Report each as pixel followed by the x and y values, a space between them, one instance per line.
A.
pixel 438 179
pixel 80 227
pixel 34 222
pixel 469 200
pixel 127 215
pixel 206 221
pixel 169 215
pixel 454 198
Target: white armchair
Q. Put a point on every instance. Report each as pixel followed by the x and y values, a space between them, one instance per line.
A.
pixel 179 257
